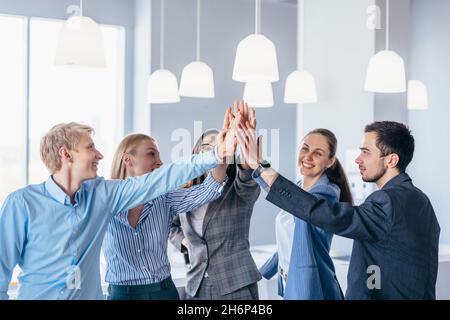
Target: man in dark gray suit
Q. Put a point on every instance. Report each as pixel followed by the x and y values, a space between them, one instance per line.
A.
pixel 396 233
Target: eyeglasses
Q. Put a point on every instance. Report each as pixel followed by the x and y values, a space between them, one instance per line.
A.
pixel 206 147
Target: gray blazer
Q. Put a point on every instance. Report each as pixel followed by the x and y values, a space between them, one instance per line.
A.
pixel 223 251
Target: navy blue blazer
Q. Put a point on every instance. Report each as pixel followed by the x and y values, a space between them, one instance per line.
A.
pixel 396 233
pixel 311 271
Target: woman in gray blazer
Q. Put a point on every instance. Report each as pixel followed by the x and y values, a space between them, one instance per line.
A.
pixel 216 235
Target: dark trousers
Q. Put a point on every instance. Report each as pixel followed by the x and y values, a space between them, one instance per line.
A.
pixel 164 290
pixel 209 291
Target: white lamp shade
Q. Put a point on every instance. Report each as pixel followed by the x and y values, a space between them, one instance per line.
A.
pixel 258 94
pixel 80 43
pixel 300 88
pixel 417 95
pixel 162 87
pixel 197 81
pixel 256 60
pixel 386 73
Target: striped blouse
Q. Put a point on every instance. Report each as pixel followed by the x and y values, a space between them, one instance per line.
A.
pixel 139 256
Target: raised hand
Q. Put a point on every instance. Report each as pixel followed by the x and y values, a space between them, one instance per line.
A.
pixel 226 139
pixel 227 119
pixel 246 118
pixel 251 147
pixel 244 114
pixel 252 117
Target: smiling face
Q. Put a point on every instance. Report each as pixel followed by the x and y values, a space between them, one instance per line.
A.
pixel 143 159
pixel 85 158
pixel 314 156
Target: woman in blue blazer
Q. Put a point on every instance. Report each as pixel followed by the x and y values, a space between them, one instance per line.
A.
pixel 304 266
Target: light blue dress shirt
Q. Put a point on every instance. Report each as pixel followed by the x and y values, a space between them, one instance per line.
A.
pixel 57 244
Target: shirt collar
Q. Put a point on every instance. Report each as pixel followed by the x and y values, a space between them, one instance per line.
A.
pixel 56 192
pixel 322 180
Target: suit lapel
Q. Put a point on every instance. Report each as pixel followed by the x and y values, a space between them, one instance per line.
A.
pixel 208 215
pixel 185 220
pixel 212 210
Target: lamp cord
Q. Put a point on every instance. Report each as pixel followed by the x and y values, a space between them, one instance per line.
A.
pixel 301 32
pixel 387 24
pixel 161 52
pixel 198 30
pixel 257 16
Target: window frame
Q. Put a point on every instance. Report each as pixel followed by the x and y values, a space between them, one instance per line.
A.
pixel 122 78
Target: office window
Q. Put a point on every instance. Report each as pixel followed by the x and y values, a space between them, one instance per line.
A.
pixel 93 96
pixel 12 104
pixel 56 94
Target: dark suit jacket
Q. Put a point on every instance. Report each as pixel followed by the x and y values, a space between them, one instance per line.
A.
pixel 394 230
pixel 223 251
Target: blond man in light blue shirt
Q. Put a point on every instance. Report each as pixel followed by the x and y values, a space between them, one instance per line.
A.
pixel 54 230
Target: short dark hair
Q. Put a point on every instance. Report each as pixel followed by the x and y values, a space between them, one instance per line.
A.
pixel 394 137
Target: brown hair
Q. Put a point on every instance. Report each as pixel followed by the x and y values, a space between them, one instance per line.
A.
pixel 335 173
pixel 127 145
pixel 196 150
pixel 394 137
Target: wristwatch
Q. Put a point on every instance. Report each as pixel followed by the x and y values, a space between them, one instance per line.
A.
pixel 263 166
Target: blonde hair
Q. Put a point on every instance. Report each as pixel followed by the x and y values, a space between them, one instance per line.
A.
pixel 127 145
pixel 63 135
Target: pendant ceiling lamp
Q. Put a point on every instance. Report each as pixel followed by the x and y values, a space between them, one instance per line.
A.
pixel 300 85
pixel 417 95
pixel 386 71
pixel 162 86
pixel 197 78
pixel 80 43
pixel 256 56
pixel 258 94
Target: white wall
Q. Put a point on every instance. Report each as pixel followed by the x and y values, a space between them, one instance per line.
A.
pixel 224 23
pixel 338 46
pixel 392 106
pixel 430 63
pixel 142 65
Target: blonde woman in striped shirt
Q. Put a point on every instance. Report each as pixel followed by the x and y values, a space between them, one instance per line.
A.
pixel 135 244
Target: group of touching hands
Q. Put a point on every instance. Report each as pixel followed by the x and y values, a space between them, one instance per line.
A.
pixel 239 127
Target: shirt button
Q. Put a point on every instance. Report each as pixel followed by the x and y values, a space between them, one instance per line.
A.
pixel 135 233
pixel 144 267
pixel 139 250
